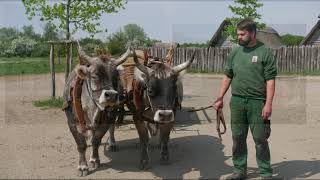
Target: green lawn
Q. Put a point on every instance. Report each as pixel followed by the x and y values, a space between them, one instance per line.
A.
pixel 19 66
pixel 31 65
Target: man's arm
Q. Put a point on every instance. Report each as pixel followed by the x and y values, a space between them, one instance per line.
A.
pixel 267 109
pixel 225 84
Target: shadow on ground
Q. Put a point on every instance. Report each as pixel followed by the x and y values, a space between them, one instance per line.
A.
pixel 200 155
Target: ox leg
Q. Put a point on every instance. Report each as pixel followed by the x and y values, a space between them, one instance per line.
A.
pixel 81 144
pixel 96 142
pixel 144 143
pixel 165 130
pixel 111 143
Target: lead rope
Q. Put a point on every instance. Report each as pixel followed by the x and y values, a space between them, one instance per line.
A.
pixel 219 117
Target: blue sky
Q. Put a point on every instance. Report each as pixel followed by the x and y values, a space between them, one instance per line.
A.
pixel 183 20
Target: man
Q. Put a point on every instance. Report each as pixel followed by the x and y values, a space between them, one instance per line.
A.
pixel 251 71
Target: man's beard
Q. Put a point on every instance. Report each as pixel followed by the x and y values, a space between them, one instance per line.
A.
pixel 244 43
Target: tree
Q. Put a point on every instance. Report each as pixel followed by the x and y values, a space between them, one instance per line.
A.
pixel 49 32
pixel 241 10
pixel 135 34
pixel 28 32
pixel 74 14
pixel 291 40
pixel 117 42
pixel 8 33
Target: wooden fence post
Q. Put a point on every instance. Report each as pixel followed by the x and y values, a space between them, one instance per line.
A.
pixel 52 70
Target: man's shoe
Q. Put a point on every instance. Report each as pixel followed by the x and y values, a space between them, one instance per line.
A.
pixel 237 176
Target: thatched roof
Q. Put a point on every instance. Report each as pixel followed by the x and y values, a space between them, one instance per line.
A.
pixel 311 37
pixel 218 34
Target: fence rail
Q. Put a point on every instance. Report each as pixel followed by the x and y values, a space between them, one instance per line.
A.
pixel 290 59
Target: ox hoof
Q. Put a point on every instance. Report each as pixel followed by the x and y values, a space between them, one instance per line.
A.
pixel 83 171
pixel 164 160
pixel 144 165
pixel 112 148
pixel 94 164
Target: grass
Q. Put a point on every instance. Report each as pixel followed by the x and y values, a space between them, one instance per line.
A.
pixel 49 103
pixel 40 65
pixel 20 66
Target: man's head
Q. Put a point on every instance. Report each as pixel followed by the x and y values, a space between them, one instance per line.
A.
pixel 246 32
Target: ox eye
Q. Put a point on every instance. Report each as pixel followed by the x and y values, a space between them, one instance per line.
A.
pixel 150 92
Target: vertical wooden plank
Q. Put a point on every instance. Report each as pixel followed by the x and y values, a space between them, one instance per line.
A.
pixel 67 62
pixel 70 57
pixel 296 49
pixel 52 70
pixel 318 58
pixel 216 59
pixel 289 59
pixel 309 59
pixel 285 60
pixel 303 59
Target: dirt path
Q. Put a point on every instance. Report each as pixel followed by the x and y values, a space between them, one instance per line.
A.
pixel 36 143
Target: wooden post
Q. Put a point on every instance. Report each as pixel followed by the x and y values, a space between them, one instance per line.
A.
pixel 70 57
pixel 67 62
pixel 52 70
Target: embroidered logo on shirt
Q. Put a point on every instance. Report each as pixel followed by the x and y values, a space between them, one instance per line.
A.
pixel 254 59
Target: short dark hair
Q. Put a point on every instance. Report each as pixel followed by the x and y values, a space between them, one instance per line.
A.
pixel 248 25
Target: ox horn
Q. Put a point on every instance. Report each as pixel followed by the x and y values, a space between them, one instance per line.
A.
pixel 140 66
pixel 184 65
pixel 83 57
pixel 122 58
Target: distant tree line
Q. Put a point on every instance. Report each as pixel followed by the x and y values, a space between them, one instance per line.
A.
pixel 27 43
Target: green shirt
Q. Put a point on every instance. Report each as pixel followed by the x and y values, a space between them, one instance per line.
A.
pixel 249 69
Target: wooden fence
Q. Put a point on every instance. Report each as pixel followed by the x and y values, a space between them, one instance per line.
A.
pixel 290 59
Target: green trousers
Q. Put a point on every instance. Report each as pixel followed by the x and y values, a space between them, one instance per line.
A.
pixel 246 113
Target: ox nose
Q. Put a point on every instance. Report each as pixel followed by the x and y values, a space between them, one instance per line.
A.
pixel 110 95
pixel 164 116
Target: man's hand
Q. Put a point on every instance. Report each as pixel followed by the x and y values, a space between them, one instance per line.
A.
pixel 266 111
pixel 218 103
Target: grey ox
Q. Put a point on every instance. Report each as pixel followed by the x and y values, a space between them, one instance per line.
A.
pixel 157 93
pixel 91 95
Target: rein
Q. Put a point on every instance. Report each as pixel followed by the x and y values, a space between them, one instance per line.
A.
pixel 220 119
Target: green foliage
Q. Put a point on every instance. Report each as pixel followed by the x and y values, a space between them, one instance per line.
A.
pixel 8 33
pixel 84 15
pixel 28 32
pixel 117 43
pixel 134 34
pixel 241 10
pixel 49 32
pixel 22 46
pixel 291 40
pixel 150 42
pixel 49 103
pixel 197 45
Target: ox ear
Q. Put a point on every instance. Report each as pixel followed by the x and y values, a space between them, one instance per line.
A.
pixel 82 71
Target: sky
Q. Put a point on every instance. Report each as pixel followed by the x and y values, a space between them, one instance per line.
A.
pixel 182 20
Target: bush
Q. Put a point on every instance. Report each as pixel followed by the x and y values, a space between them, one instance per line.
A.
pixel 41 50
pixel 22 46
pixel 291 40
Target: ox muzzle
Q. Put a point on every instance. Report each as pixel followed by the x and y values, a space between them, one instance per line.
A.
pixel 163 116
pixel 108 98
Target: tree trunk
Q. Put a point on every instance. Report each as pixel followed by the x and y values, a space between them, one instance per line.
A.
pixel 68 38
